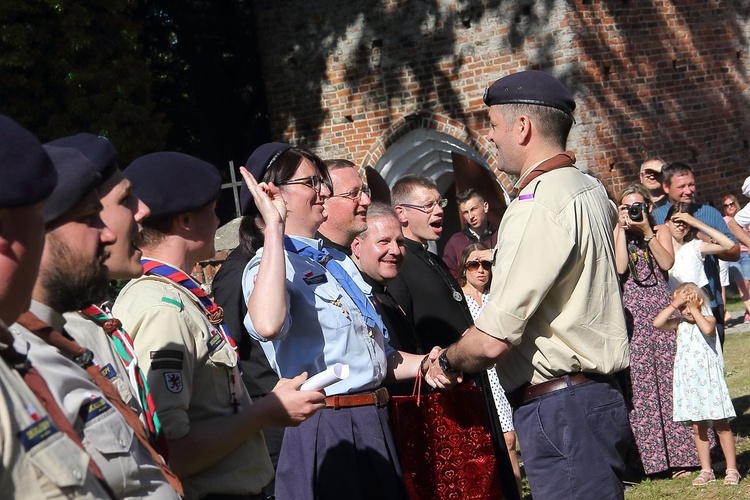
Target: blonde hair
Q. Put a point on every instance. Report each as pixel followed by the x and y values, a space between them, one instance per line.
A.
pixel 692 287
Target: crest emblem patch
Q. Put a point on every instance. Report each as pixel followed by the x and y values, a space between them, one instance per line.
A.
pixel 174 381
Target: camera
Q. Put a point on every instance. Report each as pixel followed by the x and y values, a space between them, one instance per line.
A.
pixel 636 210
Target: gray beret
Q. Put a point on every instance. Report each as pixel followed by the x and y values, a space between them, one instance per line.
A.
pixel 100 152
pixel 257 164
pixel 531 87
pixel 76 179
pixel 173 183
pixel 27 172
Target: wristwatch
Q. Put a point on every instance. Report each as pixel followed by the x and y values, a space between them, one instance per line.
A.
pixel 445 365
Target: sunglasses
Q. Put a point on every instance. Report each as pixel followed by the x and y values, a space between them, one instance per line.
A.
pixel 729 204
pixel 473 265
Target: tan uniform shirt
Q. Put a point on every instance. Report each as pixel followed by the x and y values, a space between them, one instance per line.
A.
pixel 37 461
pixel 125 464
pixel 555 294
pixel 192 376
pixel 92 336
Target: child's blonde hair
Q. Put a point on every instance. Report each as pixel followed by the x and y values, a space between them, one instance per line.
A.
pixel 692 287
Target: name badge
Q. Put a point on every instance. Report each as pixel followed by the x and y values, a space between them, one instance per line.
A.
pixel 97 406
pixel 37 433
pixel 108 371
pixel 215 342
pixel 311 279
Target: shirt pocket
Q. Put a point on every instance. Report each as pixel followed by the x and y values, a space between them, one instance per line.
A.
pixel 108 432
pixel 60 460
pixel 333 312
pixel 224 372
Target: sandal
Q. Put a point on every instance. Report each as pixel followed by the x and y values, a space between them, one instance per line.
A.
pixel 680 473
pixel 705 477
pixel 732 477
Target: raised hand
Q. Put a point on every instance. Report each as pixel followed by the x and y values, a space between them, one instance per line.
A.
pixel 267 198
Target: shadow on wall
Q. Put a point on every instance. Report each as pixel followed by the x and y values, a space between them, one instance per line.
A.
pixel 651 78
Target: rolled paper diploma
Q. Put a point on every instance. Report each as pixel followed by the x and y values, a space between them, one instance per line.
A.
pixel 327 377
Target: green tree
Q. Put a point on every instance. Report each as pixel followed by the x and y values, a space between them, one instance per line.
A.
pixel 72 66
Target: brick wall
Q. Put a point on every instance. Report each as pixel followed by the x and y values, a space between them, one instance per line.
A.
pixel 650 78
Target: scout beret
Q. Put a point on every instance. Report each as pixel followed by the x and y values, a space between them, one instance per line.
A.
pixel 100 152
pixel 257 164
pixel 173 183
pixel 531 87
pixel 27 172
pixel 76 179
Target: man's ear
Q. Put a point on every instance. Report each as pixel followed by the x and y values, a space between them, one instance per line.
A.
pixel 356 247
pixel 183 221
pixel 401 214
pixel 486 207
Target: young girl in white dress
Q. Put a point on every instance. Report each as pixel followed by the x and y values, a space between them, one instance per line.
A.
pixel 701 396
pixel 689 249
pixel 474 275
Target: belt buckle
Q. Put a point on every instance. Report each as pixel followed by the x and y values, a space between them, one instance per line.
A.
pixel 381 397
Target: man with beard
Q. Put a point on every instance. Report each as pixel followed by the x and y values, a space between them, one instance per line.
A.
pixel 112 346
pixel 213 428
pixel 425 288
pixel 72 276
pixel 38 458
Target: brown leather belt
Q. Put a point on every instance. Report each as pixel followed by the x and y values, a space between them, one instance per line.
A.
pixel 378 398
pixel 534 391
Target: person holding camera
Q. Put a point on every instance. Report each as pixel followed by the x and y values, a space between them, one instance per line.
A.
pixel 643 255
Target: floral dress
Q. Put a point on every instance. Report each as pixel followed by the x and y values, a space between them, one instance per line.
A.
pixel 700 391
pixel 661 443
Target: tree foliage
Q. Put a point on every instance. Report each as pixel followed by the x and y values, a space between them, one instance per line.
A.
pixel 72 66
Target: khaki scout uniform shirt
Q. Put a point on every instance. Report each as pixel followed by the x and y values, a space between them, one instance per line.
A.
pixel 555 294
pixel 192 376
pixel 92 336
pixel 35 461
pixel 125 464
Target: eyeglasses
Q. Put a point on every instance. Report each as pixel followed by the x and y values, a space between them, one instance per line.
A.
pixel 314 182
pixel 650 173
pixel 427 207
pixel 473 265
pixel 354 194
pixel 729 204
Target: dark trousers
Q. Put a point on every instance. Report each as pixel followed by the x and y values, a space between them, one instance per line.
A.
pixel 574 442
pixel 718 313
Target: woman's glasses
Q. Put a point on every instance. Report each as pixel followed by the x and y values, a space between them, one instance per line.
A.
pixel 473 265
pixel 729 204
pixel 314 182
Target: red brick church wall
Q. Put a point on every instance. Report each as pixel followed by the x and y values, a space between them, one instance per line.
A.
pixel 667 78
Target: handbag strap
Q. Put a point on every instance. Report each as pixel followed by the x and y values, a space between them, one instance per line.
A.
pixel 417 391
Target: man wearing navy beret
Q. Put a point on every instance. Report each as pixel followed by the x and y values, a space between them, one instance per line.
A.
pixel 213 428
pixel 553 323
pixel 72 276
pixel 37 460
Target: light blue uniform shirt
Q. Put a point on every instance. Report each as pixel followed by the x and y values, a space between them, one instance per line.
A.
pixel 323 326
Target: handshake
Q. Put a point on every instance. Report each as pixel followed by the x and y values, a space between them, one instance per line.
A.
pixel 437 370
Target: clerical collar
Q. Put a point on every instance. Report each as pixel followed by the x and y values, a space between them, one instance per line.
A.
pixel 331 244
pixel 415 245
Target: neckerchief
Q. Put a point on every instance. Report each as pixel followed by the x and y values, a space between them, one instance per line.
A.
pixel 214 313
pixel 124 346
pixel 559 160
pixel 324 258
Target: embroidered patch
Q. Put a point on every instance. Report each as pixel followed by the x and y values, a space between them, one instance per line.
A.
pixel 311 279
pixel 108 371
pixel 166 364
pixel 97 406
pixel 524 197
pixel 36 433
pixel 214 342
pixel 174 381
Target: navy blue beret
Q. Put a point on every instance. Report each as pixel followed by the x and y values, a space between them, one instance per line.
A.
pixel 531 87
pixel 257 164
pixel 173 183
pixel 27 172
pixel 76 180
pixel 100 152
